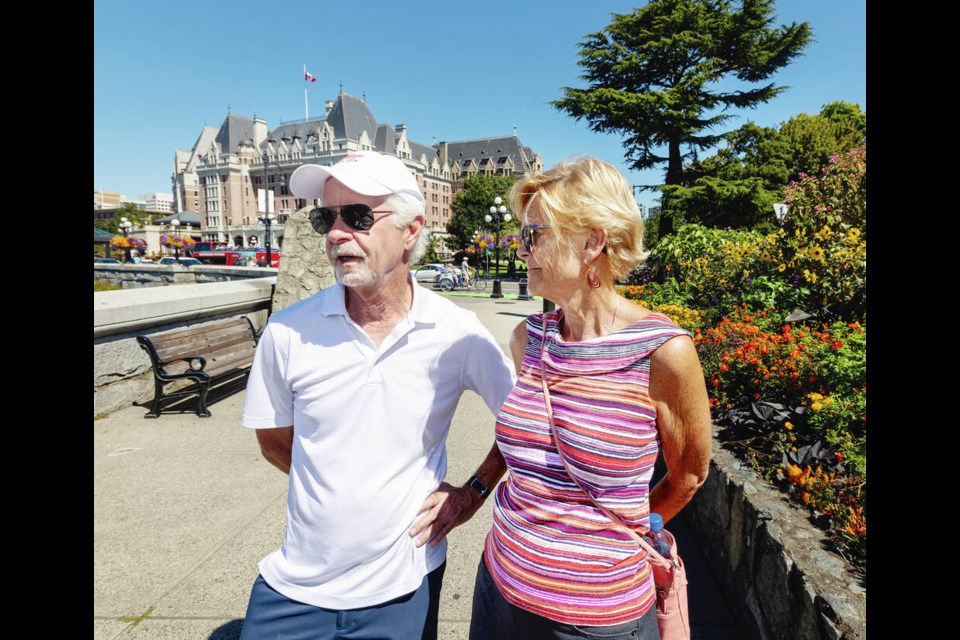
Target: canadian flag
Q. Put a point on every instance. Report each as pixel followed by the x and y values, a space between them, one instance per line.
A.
pixel 309 76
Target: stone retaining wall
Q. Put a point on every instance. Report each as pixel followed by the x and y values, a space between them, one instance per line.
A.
pixel 766 554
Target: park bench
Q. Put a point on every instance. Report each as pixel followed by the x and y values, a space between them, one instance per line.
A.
pixel 202 356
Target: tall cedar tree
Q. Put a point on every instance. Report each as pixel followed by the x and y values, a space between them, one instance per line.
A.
pixel 654 76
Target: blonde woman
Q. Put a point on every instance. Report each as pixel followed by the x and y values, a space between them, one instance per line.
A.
pixel 624 385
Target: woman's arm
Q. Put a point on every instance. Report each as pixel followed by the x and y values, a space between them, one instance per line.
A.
pixel 518 344
pixel 679 393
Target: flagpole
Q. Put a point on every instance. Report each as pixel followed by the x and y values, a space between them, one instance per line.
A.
pixel 306 110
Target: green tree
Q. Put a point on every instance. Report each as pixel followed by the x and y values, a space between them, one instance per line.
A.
pixel 663 76
pixel 472 203
pixel 738 185
pixel 430 255
pixel 127 210
pixel 811 140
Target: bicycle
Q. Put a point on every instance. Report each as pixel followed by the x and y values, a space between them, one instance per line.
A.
pixel 446 283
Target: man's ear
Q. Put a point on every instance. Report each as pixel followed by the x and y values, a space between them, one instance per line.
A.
pixel 415 228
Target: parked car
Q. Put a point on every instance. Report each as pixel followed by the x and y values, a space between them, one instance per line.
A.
pixel 106 261
pixel 427 272
pixel 183 262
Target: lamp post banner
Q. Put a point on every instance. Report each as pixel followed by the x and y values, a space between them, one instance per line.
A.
pixel 261 202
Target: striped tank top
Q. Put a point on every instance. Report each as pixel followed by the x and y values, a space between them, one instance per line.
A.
pixel 550 550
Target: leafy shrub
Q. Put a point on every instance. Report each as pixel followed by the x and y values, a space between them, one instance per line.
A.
pixel 826 236
pixel 689 319
pixel 816 262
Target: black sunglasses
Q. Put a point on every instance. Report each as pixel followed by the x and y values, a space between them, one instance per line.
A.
pixel 358 217
pixel 528 237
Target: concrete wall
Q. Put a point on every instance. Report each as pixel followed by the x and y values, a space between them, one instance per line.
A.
pixel 766 554
pixel 121 368
pixel 145 274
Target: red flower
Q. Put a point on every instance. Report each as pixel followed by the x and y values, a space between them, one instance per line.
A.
pixel 839 456
pixel 836 344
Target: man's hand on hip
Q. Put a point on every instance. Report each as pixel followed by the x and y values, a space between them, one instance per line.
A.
pixel 444 509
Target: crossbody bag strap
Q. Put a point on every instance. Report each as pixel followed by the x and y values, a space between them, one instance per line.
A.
pixel 659 559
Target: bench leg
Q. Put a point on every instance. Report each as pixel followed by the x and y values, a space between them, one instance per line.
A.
pixel 157 396
pixel 202 410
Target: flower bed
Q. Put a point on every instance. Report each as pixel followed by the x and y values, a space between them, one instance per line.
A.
pixel 779 321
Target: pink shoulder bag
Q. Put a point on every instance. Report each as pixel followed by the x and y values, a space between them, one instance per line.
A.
pixel 669 574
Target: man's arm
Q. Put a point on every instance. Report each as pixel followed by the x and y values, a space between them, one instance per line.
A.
pixel 449 507
pixel 276 445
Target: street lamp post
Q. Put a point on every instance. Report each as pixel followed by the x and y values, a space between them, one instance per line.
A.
pixel 175 223
pixel 125 227
pixel 268 218
pixel 497 213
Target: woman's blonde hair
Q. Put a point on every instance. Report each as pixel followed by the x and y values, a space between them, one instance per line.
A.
pixel 588 193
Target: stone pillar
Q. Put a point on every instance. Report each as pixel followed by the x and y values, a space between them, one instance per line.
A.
pixel 304 269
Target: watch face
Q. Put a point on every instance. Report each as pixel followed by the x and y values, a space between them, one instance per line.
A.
pixel 479 487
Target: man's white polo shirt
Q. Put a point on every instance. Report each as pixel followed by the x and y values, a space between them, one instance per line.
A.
pixel 370 426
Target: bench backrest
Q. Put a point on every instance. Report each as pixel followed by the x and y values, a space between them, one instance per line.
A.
pixel 222 340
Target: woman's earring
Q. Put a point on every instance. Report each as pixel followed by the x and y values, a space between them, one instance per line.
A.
pixel 593 279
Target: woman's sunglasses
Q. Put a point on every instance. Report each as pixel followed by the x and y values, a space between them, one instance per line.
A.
pixel 528 236
pixel 358 217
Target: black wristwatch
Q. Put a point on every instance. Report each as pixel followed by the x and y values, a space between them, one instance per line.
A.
pixel 478 486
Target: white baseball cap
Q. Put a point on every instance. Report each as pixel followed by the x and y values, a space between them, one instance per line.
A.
pixel 368 173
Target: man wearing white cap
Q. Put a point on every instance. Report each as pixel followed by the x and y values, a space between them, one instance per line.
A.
pixel 352 392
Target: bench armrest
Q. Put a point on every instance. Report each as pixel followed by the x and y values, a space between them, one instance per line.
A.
pixel 195 363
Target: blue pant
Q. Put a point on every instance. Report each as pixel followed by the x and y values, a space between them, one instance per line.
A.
pixel 272 615
pixel 494 618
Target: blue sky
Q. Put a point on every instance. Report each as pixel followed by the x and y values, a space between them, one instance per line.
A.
pixel 449 71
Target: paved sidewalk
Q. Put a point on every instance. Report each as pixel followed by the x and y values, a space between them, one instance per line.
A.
pixel 185 508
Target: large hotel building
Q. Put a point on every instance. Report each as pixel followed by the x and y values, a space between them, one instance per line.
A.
pixel 219 178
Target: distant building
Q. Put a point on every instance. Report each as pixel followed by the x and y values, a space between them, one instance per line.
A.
pixel 220 176
pixel 106 199
pixel 157 202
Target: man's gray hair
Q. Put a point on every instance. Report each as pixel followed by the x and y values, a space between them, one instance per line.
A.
pixel 404 213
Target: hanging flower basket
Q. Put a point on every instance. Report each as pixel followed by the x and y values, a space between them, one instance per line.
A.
pixel 129 242
pixel 481 242
pixel 177 242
